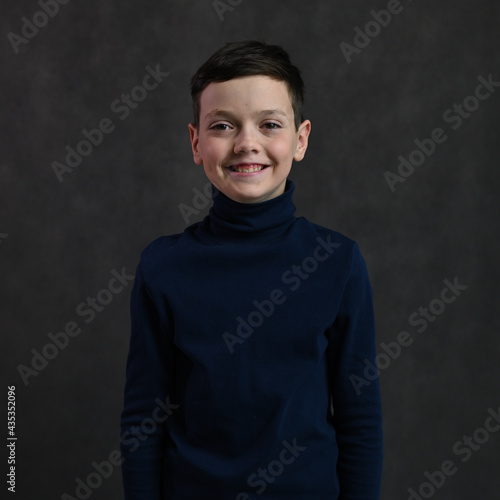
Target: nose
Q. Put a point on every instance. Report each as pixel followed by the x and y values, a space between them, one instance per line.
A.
pixel 246 141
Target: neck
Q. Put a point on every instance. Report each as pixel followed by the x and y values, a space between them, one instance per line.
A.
pixel 232 221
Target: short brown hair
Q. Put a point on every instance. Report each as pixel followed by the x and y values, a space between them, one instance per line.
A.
pixel 246 58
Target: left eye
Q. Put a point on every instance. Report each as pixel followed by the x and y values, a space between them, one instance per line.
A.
pixel 272 125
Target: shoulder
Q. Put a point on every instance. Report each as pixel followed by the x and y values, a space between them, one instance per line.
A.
pixel 158 255
pixel 330 239
pixel 346 260
pixel 157 248
pixel 166 251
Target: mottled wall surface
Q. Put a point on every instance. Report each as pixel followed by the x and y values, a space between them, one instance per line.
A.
pixel 403 158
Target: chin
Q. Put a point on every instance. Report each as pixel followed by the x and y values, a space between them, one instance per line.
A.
pixel 255 195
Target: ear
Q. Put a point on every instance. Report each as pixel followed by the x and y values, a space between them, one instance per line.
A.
pixel 193 134
pixel 303 140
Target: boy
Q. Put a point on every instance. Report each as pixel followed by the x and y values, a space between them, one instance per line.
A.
pixel 251 325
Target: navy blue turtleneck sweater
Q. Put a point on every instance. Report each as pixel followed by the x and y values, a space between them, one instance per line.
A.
pixel 248 329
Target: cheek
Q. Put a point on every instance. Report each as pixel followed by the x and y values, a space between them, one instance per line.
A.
pixel 282 148
pixel 211 149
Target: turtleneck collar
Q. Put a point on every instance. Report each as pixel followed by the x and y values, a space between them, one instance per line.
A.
pixel 232 221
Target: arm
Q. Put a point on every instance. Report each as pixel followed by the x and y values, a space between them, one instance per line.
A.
pixel 146 399
pixel 357 414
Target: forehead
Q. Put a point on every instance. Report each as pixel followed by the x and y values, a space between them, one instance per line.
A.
pixel 249 93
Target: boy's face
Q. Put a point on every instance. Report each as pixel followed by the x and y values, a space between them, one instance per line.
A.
pixel 248 124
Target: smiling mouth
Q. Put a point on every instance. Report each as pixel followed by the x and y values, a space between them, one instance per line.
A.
pixel 247 168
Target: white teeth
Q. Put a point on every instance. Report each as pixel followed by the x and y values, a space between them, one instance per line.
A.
pixel 248 169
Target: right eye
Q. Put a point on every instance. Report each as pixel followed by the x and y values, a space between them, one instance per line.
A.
pixel 219 126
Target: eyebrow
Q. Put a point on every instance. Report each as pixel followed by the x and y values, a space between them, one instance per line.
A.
pixel 227 114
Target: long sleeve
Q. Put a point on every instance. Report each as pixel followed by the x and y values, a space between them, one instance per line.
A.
pixel 244 327
pixel 357 417
pixel 147 401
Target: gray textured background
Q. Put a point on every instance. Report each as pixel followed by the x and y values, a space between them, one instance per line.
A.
pixel 65 238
